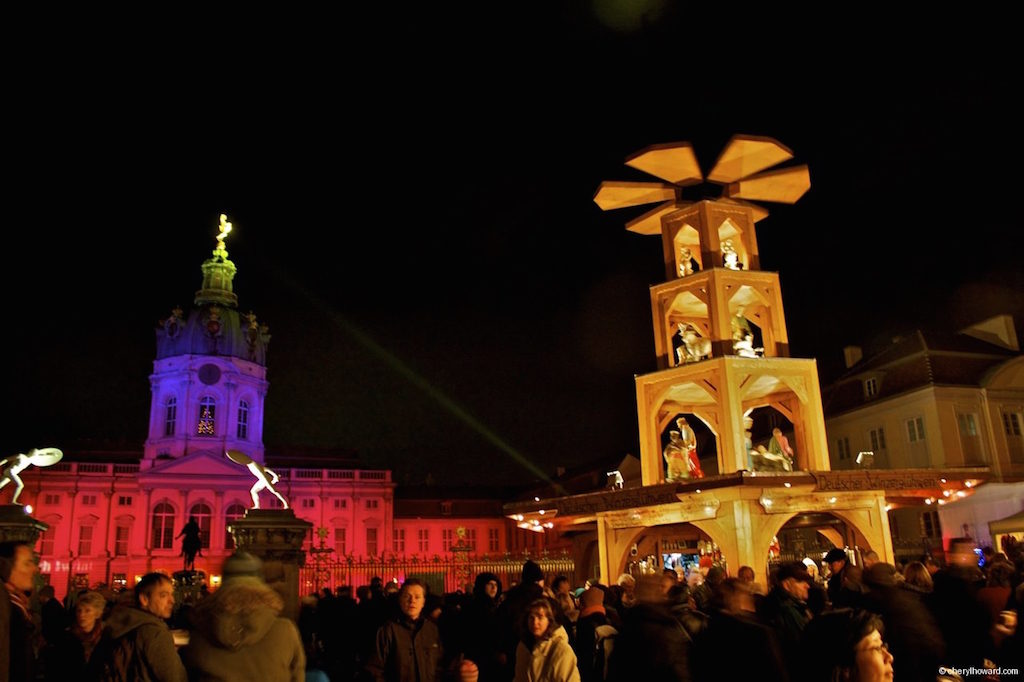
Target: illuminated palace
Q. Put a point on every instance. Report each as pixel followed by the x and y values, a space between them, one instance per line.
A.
pixel 733 449
pixel 112 520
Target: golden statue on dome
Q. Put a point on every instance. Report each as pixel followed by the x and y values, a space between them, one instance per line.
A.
pixel 225 229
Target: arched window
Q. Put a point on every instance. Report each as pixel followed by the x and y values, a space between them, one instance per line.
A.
pixel 234 512
pixel 243 420
pixel 207 417
pixel 163 526
pixel 170 415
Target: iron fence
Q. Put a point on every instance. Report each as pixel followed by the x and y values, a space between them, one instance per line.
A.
pixel 448 573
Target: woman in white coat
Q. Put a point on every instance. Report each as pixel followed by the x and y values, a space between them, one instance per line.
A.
pixel 544 655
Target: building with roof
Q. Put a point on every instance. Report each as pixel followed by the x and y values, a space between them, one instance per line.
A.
pixel 114 515
pixel 936 400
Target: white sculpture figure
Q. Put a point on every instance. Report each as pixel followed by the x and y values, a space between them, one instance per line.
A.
pixel 10 467
pixel 676 458
pixel 748 443
pixel 694 347
pixel 743 337
pixel 615 480
pixel 686 262
pixel 260 472
pixel 730 258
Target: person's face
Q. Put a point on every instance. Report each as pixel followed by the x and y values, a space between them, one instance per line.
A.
pixel 491 588
pixel 411 601
pixel 160 601
pixel 836 566
pixel 873 662
pixel 87 615
pixel 796 588
pixel 24 568
pixel 538 622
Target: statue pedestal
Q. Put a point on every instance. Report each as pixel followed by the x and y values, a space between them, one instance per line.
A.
pixel 17 526
pixel 276 537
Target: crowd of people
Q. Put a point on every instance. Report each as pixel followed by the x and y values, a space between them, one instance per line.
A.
pixel 865 622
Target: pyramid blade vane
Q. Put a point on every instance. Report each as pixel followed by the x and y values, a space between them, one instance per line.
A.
pixel 615 194
pixel 745 155
pixel 784 186
pixel 672 161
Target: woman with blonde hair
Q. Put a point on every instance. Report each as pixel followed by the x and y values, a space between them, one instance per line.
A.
pixel 69 657
pixel 916 578
pixel 544 654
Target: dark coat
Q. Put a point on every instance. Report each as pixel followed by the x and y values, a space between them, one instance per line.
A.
pixel 137 647
pixel 17 659
pixel 239 635
pixel 738 641
pixel 652 645
pixel 407 651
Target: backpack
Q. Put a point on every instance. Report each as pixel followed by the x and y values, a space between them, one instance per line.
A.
pixel 604 644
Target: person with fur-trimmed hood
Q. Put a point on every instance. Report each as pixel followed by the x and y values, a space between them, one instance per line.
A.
pixel 238 632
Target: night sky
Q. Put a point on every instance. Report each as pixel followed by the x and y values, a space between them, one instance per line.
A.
pixel 444 296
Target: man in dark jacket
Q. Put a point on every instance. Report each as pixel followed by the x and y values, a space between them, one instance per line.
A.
pixel 136 644
pixel 408 647
pixel 18 570
pixel 785 609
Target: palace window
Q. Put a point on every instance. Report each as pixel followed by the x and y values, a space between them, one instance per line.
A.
pixel 399 539
pixel 234 512
pixel 371 541
pixel 88 500
pixel 51 498
pixel 843 448
pixel 423 539
pixel 243 420
pixel 207 417
pixel 471 538
pixel 202 513
pixel 340 503
pixel 447 539
pixel 163 526
pixel 85 541
pixel 372 504
pixel 340 545
pixel 492 540
pixel 124 500
pixel 121 536
pixel 170 415
pixel 1011 423
pixel 46 540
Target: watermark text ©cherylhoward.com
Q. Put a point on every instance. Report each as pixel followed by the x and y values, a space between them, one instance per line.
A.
pixel 978 671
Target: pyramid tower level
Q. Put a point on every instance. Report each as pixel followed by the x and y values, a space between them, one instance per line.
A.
pixel 719 325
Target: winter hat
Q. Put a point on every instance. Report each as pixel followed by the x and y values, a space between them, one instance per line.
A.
pixel 242 565
pixel 532 572
pixel 592 597
pixel 880 574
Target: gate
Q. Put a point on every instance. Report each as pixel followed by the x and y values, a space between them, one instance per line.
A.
pixel 443 574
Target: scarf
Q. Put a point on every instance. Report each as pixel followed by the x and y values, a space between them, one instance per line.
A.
pixel 89 640
pixel 19 599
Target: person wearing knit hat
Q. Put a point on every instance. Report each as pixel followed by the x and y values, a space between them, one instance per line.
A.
pixel 532 573
pixel 239 633
pixel 592 628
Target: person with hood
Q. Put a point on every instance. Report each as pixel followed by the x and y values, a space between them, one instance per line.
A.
pixel 544 654
pixel 238 632
pixel 136 644
pixel 480 631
